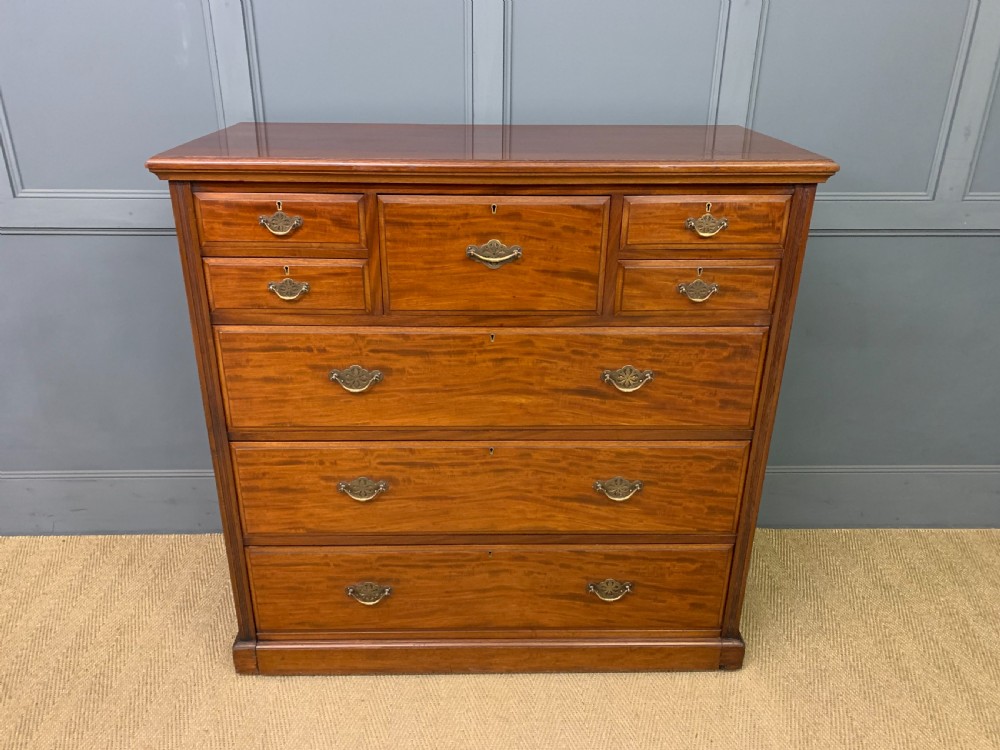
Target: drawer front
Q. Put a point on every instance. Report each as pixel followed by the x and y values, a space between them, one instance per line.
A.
pixel 430 267
pixel 694 287
pixel 498 487
pixel 281 377
pixel 323 218
pixel 499 587
pixel 662 221
pixel 288 285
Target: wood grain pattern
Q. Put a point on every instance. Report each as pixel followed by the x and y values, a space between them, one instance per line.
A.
pixel 328 218
pixel 484 655
pixel 788 292
pixel 302 589
pixel 424 241
pixel 491 421
pixel 656 221
pixel 441 154
pixel 335 286
pixel 211 392
pixel 651 286
pixel 277 377
pixel 502 487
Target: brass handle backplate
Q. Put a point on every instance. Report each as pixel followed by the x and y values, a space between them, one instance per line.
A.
pixel 289 289
pixel 363 489
pixel 698 290
pixel 707 225
pixel 609 589
pixel 618 489
pixel 356 379
pixel 279 223
pixel 627 379
pixel 493 254
pixel 368 592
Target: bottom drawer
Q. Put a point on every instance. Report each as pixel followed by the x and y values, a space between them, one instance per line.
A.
pixel 489 588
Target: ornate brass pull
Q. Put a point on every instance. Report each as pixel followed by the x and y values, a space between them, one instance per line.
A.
pixel 280 223
pixel 493 254
pixel 368 592
pixel 698 290
pixel 356 379
pixel 707 225
pixel 289 289
pixel 363 489
pixel 618 489
pixel 627 379
pixel 609 589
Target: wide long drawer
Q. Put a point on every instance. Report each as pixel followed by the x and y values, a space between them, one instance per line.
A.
pixel 277 377
pixel 497 587
pixel 499 487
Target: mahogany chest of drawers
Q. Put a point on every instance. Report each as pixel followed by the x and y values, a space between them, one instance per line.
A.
pixel 485 398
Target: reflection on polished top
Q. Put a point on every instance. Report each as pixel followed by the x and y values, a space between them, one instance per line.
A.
pixel 623 150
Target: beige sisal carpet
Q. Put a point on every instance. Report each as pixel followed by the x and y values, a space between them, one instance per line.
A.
pixel 856 639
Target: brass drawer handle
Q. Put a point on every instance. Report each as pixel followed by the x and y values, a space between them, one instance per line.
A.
pixel 279 223
pixel 493 254
pixel 627 379
pixel 698 290
pixel 707 225
pixel 368 592
pixel 363 489
pixel 618 489
pixel 356 379
pixel 289 289
pixel 610 590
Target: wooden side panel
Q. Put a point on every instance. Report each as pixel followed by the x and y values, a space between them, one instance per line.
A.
pixel 211 391
pixel 502 487
pixel 279 377
pixel 771 386
pixel 302 589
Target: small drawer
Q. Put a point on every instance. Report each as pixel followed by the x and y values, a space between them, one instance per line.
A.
pixel 695 222
pixel 322 377
pixel 279 219
pixel 670 286
pixel 496 487
pixel 499 253
pixel 295 285
pixel 496 587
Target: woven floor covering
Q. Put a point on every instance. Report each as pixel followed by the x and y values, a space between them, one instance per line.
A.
pixel 856 639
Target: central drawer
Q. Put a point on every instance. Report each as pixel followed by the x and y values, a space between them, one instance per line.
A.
pixel 389 487
pixel 319 377
pixel 497 587
pixel 500 253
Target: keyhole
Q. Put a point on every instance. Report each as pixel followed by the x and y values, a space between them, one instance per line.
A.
pixel 493 207
pixel 493 337
pixel 286 270
pixel 700 269
pixel 491 451
pixel 708 208
pixel 278 204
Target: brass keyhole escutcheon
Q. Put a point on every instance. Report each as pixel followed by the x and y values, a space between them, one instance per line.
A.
pixel 493 208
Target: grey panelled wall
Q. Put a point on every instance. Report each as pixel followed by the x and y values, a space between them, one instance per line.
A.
pixel 890 413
